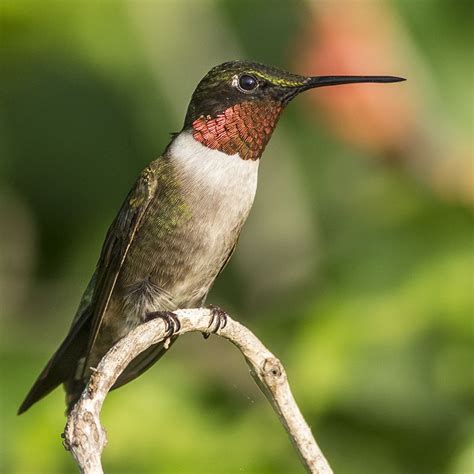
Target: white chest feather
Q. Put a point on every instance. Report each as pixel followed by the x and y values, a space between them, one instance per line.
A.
pixel 222 184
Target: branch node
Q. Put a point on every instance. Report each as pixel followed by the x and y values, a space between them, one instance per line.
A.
pixel 273 372
pixel 93 384
pixel 167 343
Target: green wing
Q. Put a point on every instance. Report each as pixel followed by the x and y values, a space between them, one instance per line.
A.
pixel 117 243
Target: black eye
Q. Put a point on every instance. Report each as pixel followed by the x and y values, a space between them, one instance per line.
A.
pixel 247 82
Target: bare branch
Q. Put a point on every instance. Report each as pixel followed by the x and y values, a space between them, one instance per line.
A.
pixel 85 437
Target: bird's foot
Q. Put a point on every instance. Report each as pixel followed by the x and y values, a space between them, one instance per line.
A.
pixel 218 320
pixel 172 324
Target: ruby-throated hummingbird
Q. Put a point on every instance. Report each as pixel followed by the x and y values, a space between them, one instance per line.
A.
pixel 179 224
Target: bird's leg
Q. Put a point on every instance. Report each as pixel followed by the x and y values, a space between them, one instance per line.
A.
pixel 218 320
pixel 172 324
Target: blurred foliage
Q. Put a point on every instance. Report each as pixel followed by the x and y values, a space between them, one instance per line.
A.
pixel 355 267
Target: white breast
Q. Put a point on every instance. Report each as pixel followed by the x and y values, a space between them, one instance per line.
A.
pixel 226 182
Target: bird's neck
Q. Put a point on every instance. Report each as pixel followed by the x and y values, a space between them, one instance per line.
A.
pixel 242 129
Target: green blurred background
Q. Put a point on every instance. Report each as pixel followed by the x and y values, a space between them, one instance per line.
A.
pixel 355 266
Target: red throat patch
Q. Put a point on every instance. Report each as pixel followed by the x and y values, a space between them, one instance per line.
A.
pixel 243 128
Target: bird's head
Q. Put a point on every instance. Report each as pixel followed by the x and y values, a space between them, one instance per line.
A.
pixel 236 106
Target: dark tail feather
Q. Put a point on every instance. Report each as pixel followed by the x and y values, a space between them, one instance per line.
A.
pixel 62 365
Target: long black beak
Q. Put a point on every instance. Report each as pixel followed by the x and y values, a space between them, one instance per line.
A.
pixel 321 81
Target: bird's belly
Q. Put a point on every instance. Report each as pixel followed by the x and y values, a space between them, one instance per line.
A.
pixel 206 246
pixel 184 264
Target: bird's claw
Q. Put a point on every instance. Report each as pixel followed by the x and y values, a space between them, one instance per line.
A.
pixel 218 320
pixel 172 324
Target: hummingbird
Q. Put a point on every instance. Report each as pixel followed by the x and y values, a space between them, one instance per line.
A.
pixel 179 225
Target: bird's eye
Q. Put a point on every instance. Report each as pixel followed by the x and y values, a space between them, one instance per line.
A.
pixel 247 83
